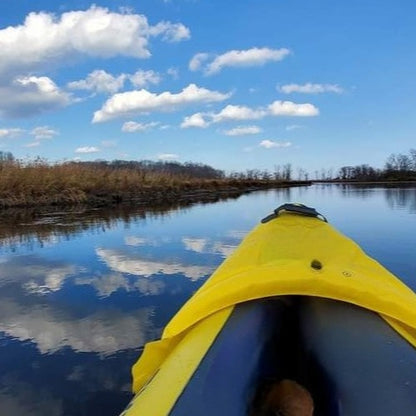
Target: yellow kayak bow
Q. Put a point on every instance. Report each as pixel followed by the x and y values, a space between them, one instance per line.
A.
pixel 293 252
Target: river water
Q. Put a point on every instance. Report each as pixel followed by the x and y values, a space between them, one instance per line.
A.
pixel 81 291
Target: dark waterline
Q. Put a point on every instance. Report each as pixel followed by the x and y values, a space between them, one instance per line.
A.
pixel 82 291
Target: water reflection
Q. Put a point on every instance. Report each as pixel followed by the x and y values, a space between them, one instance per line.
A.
pixel 51 329
pixel 108 284
pixel 34 228
pixel 353 191
pixel 20 398
pixel 83 290
pixel 203 245
pixel 131 240
pixel 39 227
pixel 402 198
pixel 57 384
pixel 120 262
pixel 35 274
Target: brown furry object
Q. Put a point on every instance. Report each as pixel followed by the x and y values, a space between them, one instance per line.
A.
pixel 286 398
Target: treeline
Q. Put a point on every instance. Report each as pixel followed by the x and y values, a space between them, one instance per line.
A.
pixel 192 170
pixel 280 173
pixel 202 171
pixel 187 169
pixel 398 167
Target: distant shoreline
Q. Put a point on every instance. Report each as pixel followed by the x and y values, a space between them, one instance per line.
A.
pixel 356 182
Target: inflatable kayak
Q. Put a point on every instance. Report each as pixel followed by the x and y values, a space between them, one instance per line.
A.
pixel 297 300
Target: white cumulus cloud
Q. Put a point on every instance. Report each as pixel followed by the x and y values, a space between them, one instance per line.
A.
pixel 289 108
pixel 99 81
pixel 243 131
pixel 170 32
pixel 195 120
pixel 134 127
pixel 237 58
pixel 45 38
pixel 238 112
pixel 87 149
pixel 143 78
pixel 310 88
pixel 31 95
pixel 241 113
pixel 197 60
pixel 137 102
pixel 270 144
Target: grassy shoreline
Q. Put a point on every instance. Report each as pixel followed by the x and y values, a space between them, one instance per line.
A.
pixel 199 191
pixel 101 183
pixel 41 184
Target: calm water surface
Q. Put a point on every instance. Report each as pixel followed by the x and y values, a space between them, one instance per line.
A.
pixel 81 292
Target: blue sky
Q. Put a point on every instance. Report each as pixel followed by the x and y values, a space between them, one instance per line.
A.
pixel 237 85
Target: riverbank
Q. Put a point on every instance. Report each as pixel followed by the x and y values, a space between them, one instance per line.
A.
pixel 42 185
pixel 101 183
pixel 150 195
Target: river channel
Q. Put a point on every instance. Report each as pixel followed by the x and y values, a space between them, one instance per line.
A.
pixel 81 291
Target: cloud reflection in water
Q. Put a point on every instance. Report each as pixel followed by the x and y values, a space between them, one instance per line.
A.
pixel 106 285
pixel 204 245
pixel 120 262
pixel 34 274
pixel 104 332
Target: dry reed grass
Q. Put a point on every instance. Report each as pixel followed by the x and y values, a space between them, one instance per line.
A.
pixel 40 183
